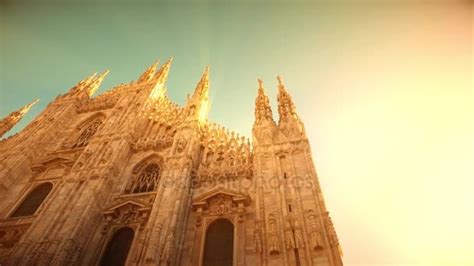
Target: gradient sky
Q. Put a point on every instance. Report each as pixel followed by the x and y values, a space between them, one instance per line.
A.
pixel 385 90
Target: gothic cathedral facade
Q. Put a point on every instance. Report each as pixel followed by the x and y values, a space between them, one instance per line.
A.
pixel 131 178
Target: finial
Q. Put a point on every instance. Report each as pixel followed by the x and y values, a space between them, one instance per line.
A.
pixel 260 83
pixel 280 80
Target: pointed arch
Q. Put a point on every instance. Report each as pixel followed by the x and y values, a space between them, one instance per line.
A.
pixel 97 116
pixel 88 128
pixel 33 200
pixel 219 244
pixel 150 158
pixel 118 247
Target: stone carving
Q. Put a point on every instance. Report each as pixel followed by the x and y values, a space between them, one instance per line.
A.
pixel 168 248
pixel 126 213
pixel 257 235
pixel 333 241
pixel 299 239
pixel 227 155
pixel 11 235
pixel 181 144
pixel 220 205
pixel 273 241
pixel 289 238
pixel 315 231
pixel 107 155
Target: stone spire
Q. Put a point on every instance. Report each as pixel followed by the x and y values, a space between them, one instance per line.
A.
pixel 82 84
pixel 203 86
pixel 149 72
pixel 12 119
pixel 286 107
pixel 198 105
pixel 162 75
pixel 95 84
pixel 159 80
pixel 264 128
pixel 263 111
pixel 289 122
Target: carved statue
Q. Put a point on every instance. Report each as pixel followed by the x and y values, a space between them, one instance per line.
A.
pixel 257 234
pixel 315 235
pixel 273 241
pixel 168 248
pixel 289 238
pixel 181 144
pixel 299 239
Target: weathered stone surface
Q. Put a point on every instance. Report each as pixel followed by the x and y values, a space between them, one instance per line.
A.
pixel 131 158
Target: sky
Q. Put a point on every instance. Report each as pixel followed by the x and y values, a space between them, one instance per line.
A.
pixel 384 88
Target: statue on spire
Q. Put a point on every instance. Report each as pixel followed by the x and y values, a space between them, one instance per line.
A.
pixel 12 119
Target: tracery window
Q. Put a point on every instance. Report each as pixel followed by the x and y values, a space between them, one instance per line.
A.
pixel 87 133
pixel 146 180
pixel 33 201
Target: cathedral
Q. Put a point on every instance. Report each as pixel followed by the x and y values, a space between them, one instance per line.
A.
pixel 130 178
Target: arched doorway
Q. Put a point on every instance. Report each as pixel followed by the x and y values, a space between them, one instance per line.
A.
pixel 33 201
pixel 219 245
pixel 118 247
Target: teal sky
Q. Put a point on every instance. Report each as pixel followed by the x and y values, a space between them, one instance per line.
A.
pixel 385 89
pixel 47 48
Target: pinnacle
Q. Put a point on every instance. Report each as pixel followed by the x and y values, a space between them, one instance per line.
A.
pixel 95 83
pixel 148 74
pixel 27 107
pixel 162 73
pixel 280 80
pixel 203 84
